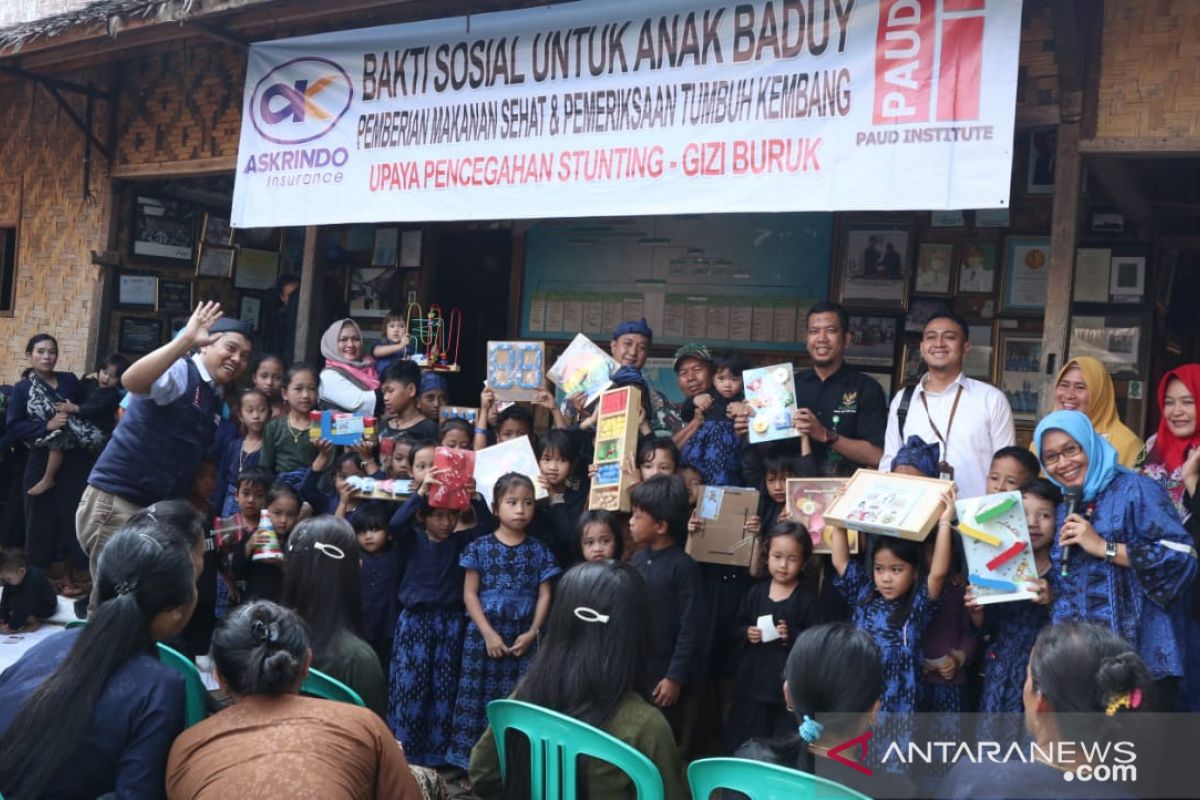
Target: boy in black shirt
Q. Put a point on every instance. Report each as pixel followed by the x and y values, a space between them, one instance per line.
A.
pixel 28 597
pixel 659 521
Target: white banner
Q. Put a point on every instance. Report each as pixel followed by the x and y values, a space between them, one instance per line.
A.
pixel 619 107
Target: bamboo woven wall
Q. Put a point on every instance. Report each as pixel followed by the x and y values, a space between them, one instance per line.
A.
pixel 57 287
pixel 180 102
pixel 1037 72
pixel 1150 69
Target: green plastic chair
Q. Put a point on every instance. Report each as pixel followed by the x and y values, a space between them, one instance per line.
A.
pixel 318 684
pixel 195 695
pixel 760 781
pixel 76 623
pixel 555 743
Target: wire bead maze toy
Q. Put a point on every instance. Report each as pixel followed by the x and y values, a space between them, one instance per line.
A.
pixel 436 337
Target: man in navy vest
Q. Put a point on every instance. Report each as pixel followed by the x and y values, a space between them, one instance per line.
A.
pixel 156 450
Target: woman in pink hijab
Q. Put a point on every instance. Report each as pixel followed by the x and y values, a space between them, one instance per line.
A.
pixel 349 380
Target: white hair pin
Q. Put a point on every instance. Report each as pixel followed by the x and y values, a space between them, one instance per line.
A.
pixel 590 615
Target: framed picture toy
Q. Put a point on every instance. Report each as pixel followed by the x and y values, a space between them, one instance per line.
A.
pixel 905 506
pixel 771 393
pixel 998 548
pixel 806 500
pixel 616 435
pixel 516 370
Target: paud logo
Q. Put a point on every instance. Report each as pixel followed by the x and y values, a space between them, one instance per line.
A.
pixel 300 100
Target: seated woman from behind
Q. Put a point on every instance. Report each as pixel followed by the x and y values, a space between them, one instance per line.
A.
pixel 833 680
pixel 274 743
pixel 591 667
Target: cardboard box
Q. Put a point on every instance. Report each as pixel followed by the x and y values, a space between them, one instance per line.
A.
pixel 516 370
pixel 888 504
pixel 616 435
pixel 807 500
pixel 722 538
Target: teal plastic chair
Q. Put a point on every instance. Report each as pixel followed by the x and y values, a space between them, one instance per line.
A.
pixel 760 781
pixel 555 743
pixel 75 623
pixel 318 684
pixel 194 692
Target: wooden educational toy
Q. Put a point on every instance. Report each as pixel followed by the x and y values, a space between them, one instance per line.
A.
pixel 998 547
pixel 516 370
pixel 271 549
pixel 616 436
pixel 771 393
pixel 905 506
pixel 806 500
pixel 465 413
pixel 375 489
pixel 340 427
pixel 436 337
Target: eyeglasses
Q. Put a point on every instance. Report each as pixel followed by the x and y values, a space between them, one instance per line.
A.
pixel 1070 451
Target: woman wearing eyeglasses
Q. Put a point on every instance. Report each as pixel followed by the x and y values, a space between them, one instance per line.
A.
pixel 323 586
pixel 1122 559
pixel 349 379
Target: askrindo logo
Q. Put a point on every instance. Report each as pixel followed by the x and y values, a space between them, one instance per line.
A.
pixel 835 753
pixel 301 100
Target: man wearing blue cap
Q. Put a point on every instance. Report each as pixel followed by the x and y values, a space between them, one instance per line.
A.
pixel 156 450
pixel 630 347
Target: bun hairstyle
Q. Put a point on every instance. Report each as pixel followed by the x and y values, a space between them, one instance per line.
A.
pixel 145 568
pixel 1084 668
pixel 835 676
pixel 176 516
pixel 260 649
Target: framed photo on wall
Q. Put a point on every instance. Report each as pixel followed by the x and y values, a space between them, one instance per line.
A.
pixel 874 264
pixel 384 253
pixel 215 261
pixel 137 291
pixel 978 260
pixel 978 363
pixel 935 269
pixel 919 312
pixel 217 230
pixel 139 335
pixel 873 340
pixel 1127 279
pixel 911 365
pixel 1026 274
pixel 1113 340
pixel 256 269
pixel 1019 372
pixel 260 238
pixel 162 228
pixel 250 310
pixel 174 295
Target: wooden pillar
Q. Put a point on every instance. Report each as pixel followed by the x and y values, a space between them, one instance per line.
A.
pixel 308 276
pixel 1064 230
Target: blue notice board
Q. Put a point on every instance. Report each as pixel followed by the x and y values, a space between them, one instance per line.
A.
pixel 728 280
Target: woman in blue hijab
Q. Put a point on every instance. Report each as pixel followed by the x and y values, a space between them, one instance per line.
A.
pixel 1130 562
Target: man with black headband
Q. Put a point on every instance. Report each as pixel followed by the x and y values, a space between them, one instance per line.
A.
pixel 630 347
pixel 156 450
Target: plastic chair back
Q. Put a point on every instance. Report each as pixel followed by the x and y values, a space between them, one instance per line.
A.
pixel 555 743
pixel 318 684
pixel 193 687
pixel 75 623
pixel 761 781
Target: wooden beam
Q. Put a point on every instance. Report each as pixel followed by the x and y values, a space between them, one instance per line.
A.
pixel 1125 189
pixel 1146 145
pixel 1038 116
pixel 1064 232
pixel 304 309
pixel 175 169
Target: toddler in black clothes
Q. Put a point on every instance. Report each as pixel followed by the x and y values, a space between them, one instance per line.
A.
pixel 758 709
pixel 28 597
pixel 380 571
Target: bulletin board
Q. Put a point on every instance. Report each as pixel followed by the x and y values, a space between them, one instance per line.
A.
pixel 727 280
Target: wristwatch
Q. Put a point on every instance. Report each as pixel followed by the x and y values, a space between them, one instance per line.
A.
pixel 1110 552
pixel 831 436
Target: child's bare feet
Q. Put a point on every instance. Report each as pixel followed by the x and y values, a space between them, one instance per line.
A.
pixel 41 487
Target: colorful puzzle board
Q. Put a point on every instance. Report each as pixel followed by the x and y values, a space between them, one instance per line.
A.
pixel 616 435
pixel 516 370
pixel 999 549
pixel 806 501
pixel 771 392
pixel 583 367
pixel 466 413
pixel 375 489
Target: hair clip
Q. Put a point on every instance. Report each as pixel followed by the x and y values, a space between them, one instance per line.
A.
pixel 151 539
pixel 125 587
pixel 263 632
pixel 1131 699
pixel 333 551
pixel 810 730
pixel 590 615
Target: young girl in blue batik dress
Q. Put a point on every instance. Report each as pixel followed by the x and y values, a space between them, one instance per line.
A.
pixel 507 595
pixel 895 604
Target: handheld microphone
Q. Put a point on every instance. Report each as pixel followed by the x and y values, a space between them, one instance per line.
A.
pixel 1073 498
